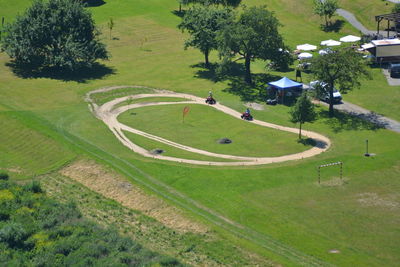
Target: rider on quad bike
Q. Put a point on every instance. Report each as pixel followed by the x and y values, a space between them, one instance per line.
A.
pixel 246 115
pixel 210 100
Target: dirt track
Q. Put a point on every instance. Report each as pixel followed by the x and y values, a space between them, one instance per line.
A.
pixel 109 115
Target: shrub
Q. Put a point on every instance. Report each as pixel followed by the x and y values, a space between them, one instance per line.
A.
pixel 33 187
pixel 38 231
pixel 168 261
pixel 55 33
pixel 4 176
pixel 13 234
pixel 396 8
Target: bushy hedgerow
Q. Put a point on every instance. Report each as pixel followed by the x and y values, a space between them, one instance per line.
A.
pixel 36 230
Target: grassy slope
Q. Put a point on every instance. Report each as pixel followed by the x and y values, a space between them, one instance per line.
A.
pixel 365 11
pixel 287 204
pixel 58 234
pixel 195 248
pixel 25 150
pixel 279 202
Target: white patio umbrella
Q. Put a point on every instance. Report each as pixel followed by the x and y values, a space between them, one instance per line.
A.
pixel 333 43
pixel 330 42
pixel 306 47
pixel 350 39
pixel 304 55
pixel 326 41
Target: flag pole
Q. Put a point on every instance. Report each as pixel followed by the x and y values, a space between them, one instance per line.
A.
pixel 184 112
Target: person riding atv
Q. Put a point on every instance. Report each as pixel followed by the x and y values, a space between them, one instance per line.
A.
pixel 246 115
pixel 210 100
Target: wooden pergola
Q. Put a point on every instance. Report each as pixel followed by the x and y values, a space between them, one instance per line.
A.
pixel 395 17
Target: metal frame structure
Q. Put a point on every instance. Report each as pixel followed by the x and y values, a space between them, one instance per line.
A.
pixel 395 17
pixel 327 165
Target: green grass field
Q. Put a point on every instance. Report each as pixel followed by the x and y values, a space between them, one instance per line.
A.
pixel 276 211
pixel 25 149
pixel 204 126
pixel 365 11
pixel 193 247
pixel 149 100
pixel 168 150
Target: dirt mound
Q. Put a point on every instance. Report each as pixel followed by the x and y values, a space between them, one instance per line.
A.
pixel 112 185
pixel 156 151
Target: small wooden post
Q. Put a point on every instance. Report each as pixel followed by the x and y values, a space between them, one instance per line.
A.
pixel 319 174
pixel 388 28
pixel 366 148
pixel 2 24
pixel 379 21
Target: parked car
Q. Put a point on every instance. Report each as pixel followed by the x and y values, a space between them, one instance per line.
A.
pixel 324 95
pixel 394 69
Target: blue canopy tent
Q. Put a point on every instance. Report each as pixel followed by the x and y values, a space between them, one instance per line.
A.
pixel 285 84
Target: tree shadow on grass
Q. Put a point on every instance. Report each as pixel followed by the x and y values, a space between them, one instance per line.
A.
pixel 351 121
pixel 312 142
pixel 81 75
pixel 287 70
pixel 288 100
pixel 251 92
pixel 93 3
pixel 307 142
pixel 178 13
pixel 333 27
pixel 234 73
pixel 215 73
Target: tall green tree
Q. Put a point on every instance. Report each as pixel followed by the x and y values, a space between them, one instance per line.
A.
pixel 303 111
pixel 54 33
pixel 203 23
pixel 326 9
pixel 254 35
pixel 341 68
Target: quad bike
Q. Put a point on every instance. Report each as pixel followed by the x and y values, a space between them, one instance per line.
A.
pixel 210 100
pixel 246 116
pixel 272 102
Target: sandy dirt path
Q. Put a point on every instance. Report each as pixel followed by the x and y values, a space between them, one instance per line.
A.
pixel 108 113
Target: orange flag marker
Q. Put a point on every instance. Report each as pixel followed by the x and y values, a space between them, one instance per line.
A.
pixel 185 112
